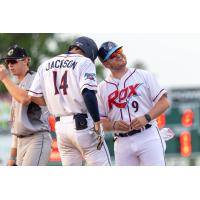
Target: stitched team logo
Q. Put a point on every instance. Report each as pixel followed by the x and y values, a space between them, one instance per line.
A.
pixel 90 76
pixel 10 53
pixel 123 97
pixel 110 45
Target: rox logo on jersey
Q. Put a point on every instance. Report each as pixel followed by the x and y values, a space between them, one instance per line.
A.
pixel 116 97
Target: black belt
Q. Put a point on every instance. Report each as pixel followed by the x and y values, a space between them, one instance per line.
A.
pixel 23 136
pixel 84 115
pixel 133 132
pixel 57 119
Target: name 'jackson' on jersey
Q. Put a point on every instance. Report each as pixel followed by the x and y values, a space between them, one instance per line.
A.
pixel 61 81
pixel 61 63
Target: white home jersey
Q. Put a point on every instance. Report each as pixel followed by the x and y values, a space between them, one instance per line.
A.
pixel 61 81
pixel 132 96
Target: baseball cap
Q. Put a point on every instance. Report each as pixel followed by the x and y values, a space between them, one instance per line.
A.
pixel 106 49
pixel 15 52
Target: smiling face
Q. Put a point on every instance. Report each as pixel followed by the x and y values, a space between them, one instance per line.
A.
pixel 116 61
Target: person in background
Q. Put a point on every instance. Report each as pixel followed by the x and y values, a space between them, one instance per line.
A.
pixel 31 139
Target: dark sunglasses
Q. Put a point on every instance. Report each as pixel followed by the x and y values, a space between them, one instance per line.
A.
pixel 116 53
pixel 12 61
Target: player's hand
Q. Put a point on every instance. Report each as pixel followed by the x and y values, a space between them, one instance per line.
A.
pixel 138 123
pixel 3 72
pixel 121 126
pixel 97 126
pixel 11 163
pixel 100 134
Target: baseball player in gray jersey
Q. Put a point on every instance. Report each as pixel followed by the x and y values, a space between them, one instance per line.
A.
pixel 130 100
pixel 31 140
pixel 68 84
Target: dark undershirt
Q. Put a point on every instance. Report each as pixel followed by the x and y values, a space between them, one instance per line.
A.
pixel 91 103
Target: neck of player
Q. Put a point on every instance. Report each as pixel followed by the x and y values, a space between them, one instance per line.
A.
pixel 119 73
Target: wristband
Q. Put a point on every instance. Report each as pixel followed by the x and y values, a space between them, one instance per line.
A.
pixel 12 158
pixel 147 117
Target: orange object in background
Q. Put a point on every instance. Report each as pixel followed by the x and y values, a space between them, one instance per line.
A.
pixel 55 155
pixel 187 118
pixel 161 120
pixel 52 122
pixel 185 144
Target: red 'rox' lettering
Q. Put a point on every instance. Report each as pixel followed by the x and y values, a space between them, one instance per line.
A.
pixel 121 96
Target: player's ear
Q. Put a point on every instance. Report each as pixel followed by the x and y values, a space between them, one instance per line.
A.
pixel 106 64
pixel 25 60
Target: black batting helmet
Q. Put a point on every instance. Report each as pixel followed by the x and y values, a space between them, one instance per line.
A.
pixel 87 45
pixel 106 49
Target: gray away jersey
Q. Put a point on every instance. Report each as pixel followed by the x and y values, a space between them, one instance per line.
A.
pixel 31 118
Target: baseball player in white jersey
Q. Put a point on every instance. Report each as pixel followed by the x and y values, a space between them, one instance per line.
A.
pixel 68 84
pixel 31 140
pixel 130 100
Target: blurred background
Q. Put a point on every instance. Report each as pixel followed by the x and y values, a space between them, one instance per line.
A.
pixel 172 58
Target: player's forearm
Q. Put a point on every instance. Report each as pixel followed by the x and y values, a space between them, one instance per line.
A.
pixel 160 107
pixel 90 100
pixel 16 92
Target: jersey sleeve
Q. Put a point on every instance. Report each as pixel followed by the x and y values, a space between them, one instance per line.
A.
pixel 36 89
pixel 156 90
pixel 101 104
pixel 88 77
pixel 29 81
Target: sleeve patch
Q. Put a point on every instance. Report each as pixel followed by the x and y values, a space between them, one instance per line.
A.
pixel 90 76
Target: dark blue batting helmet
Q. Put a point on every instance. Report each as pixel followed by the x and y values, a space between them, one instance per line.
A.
pixel 87 45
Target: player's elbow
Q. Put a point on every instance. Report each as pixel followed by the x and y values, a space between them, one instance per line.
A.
pixel 166 104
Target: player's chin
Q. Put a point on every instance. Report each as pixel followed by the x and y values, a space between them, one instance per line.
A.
pixel 12 72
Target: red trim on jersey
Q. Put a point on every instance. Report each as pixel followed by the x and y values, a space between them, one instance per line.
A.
pixel 129 114
pixel 129 77
pixel 124 87
pixel 121 113
pixel 33 92
pixel 157 95
pixel 90 85
pixel 95 87
pixel 111 83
